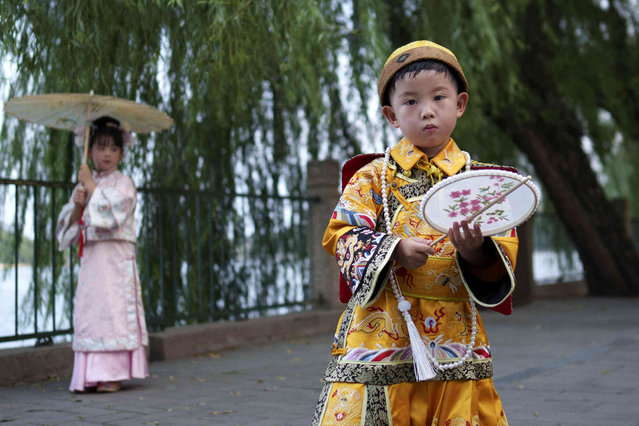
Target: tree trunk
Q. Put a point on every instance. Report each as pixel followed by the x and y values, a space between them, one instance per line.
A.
pixel 551 140
pixel 599 235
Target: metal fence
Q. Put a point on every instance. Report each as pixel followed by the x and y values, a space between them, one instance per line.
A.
pixel 202 256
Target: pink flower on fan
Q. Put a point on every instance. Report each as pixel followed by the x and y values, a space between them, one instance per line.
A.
pixel 455 194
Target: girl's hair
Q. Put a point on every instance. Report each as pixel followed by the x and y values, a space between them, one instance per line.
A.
pixel 416 67
pixel 107 126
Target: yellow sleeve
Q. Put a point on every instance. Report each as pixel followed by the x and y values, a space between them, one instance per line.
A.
pixel 362 253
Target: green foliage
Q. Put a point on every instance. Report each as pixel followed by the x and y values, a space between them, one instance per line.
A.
pixel 238 77
pixel 256 88
pixel 7 249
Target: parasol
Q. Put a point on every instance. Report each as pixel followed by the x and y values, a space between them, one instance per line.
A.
pixel 67 111
pixel 497 200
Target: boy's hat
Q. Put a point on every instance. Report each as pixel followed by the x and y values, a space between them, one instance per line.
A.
pixel 418 51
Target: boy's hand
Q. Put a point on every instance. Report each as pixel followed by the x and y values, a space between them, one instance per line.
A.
pixel 80 196
pixel 413 252
pixel 468 242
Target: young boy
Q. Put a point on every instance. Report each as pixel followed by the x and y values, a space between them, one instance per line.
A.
pixel 383 249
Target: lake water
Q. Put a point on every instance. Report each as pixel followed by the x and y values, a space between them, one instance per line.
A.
pixel 25 317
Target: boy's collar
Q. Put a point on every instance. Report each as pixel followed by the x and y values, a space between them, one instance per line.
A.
pixel 450 159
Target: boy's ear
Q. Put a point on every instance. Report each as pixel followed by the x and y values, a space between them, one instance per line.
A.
pixel 462 101
pixel 389 113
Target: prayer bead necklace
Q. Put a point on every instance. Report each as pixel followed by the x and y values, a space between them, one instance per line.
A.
pixel 403 304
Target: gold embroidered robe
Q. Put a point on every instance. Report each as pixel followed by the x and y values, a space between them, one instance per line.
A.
pixel 372 346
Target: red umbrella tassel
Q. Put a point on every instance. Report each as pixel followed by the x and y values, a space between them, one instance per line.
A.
pixel 81 242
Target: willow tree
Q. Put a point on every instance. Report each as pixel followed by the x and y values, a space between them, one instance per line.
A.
pixel 247 83
pixel 257 87
pixel 251 86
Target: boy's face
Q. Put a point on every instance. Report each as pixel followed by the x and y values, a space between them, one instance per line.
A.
pixel 426 108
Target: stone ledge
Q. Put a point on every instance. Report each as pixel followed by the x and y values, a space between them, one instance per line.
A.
pixel 21 365
pixel 31 364
pixel 560 290
pixel 180 342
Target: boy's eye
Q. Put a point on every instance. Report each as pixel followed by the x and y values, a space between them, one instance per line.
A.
pixel 410 102
pixel 438 97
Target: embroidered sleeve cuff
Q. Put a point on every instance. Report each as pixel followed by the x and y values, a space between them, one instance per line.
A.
pixel 66 233
pixel 363 257
pixel 494 286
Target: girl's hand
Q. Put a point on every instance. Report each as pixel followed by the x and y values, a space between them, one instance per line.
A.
pixel 413 252
pixel 80 196
pixel 85 177
pixel 468 242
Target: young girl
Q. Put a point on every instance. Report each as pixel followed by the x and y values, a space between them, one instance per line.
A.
pixel 110 336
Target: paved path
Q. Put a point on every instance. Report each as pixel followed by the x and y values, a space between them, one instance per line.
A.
pixel 557 362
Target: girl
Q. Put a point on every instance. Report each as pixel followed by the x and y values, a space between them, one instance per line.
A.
pixel 110 336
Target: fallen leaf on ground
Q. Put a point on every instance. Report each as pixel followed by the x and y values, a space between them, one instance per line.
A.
pixel 217 413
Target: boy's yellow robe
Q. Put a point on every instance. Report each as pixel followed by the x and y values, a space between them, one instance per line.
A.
pixel 372 347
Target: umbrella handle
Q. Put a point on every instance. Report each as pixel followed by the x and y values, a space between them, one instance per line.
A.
pixel 86 144
pixel 87 130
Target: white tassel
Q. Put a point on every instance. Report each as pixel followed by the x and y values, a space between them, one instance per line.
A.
pixel 421 361
pixel 423 367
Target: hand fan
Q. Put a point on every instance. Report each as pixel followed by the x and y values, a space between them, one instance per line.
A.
pixel 497 200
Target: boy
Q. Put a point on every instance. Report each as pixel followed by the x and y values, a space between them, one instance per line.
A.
pixel 383 251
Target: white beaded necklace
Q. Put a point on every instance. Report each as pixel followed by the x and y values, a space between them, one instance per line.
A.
pixel 422 357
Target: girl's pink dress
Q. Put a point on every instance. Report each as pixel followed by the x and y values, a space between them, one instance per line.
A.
pixel 110 336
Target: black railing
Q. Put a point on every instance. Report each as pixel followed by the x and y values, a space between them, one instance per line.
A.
pixel 36 268
pixel 202 256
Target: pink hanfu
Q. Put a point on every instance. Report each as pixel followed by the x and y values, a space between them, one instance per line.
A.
pixel 110 336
